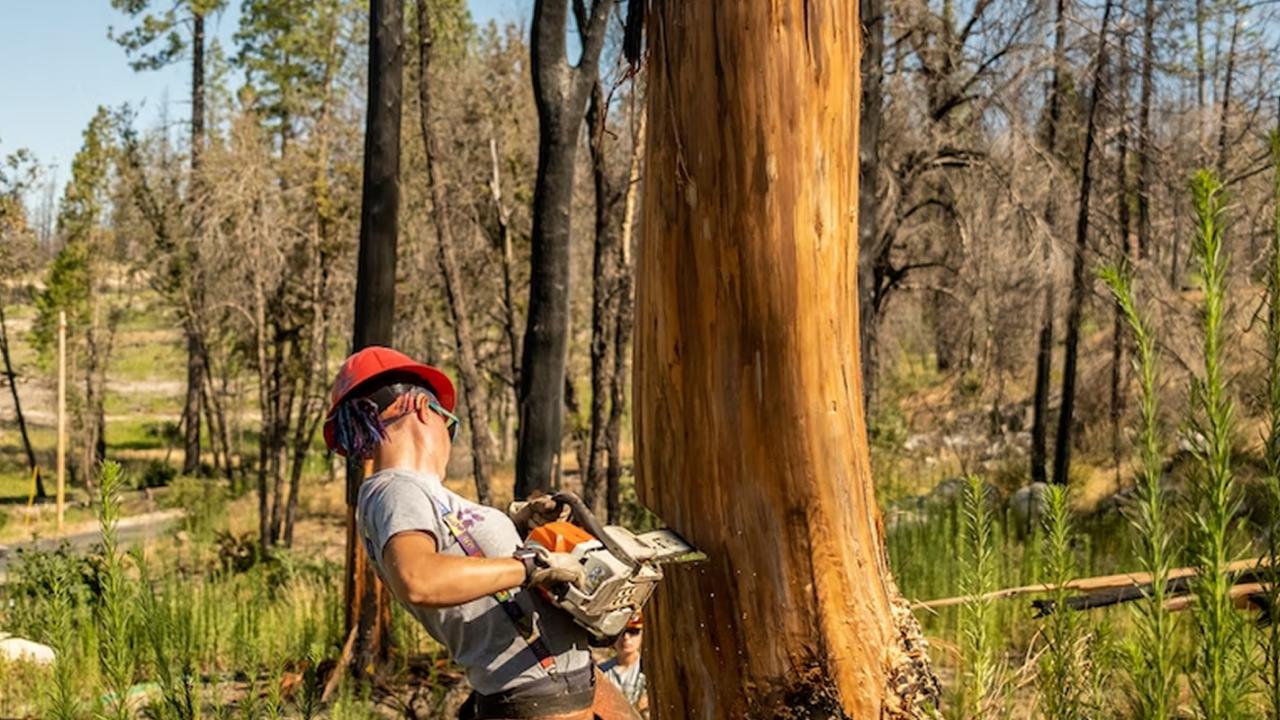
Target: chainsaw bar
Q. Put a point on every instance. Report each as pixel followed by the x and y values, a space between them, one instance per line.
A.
pixel 670 547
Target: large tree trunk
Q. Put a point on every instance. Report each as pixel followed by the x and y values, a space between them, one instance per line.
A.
pixel 195 356
pixel 368 617
pixel 560 92
pixel 473 385
pixel 749 421
pixel 12 378
pixel 1048 313
pixel 871 13
pixel 1079 272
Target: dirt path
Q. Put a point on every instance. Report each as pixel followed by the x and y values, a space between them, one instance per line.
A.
pixel 131 530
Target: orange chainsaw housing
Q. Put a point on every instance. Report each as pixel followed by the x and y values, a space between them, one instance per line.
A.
pixel 560 536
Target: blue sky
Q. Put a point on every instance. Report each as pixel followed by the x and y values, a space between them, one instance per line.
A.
pixel 59 66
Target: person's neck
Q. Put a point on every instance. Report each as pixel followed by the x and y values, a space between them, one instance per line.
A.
pixel 627 659
pixel 408 456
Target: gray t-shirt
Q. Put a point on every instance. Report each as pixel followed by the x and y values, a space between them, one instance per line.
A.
pixel 480 636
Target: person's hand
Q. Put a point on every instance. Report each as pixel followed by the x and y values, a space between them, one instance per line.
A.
pixel 544 568
pixel 534 512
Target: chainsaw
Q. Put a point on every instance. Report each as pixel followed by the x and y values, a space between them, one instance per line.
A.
pixel 620 568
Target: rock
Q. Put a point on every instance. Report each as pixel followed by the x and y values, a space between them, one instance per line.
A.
pixel 1027 505
pixel 16 648
pixel 952 490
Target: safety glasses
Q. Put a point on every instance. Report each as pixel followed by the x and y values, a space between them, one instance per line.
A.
pixel 451 421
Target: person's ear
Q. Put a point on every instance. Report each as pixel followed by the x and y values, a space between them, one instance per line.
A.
pixel 422 408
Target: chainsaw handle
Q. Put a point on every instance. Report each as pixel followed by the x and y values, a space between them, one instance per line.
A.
pixel 582 516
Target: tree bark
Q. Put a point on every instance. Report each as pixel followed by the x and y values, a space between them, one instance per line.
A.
pixel 1044 347
pixel 368 616
pixel 195 358
pixel 749 422
pixel 1079 273
pixel 12 377
pixel 870 113
pixel 473 385
pixel 560 93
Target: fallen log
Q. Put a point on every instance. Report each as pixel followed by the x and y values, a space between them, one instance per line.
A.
pixel 1123 587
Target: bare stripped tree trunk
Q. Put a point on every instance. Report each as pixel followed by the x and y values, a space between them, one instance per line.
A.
pixel 503 214
pixel 1079 273
pixel 560 91
pixel 12 377
pixel 473 385
pixel 1044 347
pixel 749 421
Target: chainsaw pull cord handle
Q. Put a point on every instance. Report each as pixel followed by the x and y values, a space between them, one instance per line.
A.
pixel 581 516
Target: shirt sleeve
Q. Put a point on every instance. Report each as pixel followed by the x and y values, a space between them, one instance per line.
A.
pixel 396 507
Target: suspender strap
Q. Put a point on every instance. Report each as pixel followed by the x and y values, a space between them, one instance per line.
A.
pixel 523 622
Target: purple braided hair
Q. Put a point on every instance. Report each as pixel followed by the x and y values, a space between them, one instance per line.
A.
pixel 358 427
pixel 357 423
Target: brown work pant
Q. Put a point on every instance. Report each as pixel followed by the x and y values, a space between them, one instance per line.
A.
pixel 609 704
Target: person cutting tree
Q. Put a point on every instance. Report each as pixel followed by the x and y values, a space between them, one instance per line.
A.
pixel 457 566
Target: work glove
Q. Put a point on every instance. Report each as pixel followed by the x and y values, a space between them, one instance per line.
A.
pixel 531 513
pixel 543 568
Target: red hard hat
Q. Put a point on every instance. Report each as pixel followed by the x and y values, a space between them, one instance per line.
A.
pixel 373 361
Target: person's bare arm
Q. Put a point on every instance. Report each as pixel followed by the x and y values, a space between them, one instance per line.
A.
pixel 418 575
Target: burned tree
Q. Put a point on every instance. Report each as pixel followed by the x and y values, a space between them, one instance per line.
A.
pixel 368 603
pixel 561 92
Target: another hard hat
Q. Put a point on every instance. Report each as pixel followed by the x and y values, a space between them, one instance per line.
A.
pixel 373 362
pixel 636 622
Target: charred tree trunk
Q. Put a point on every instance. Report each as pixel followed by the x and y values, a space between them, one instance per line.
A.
pixel 871 13
pixel 1200 73
pixel 604 281
pixel 195 356
pixel 624 316
pixel 560 92
pixel 12 377
pixel 1146 158
pixel 1225 117
pixel 368 608
pixel 749 418
pixel 473 385
pixel 1079 273
pixel 1044 347
pixel 1123 255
